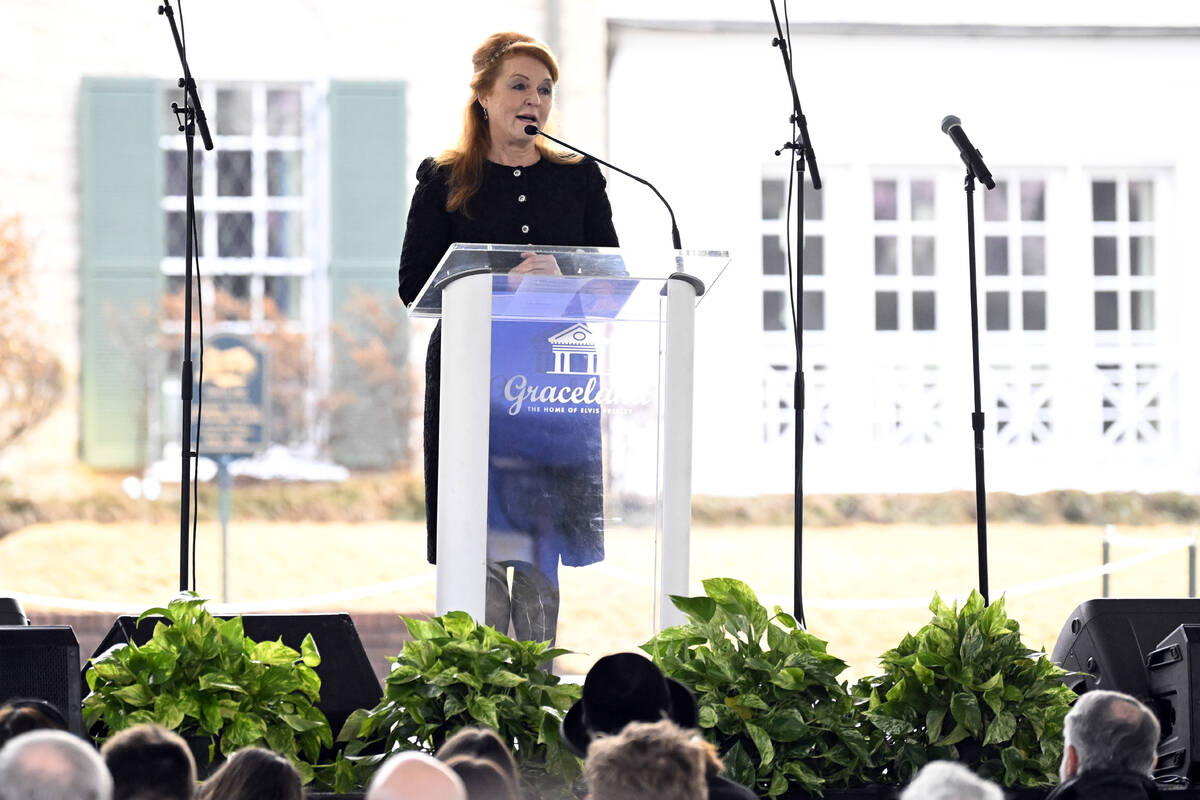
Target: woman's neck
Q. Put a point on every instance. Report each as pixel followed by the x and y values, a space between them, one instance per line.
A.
pixel 513 155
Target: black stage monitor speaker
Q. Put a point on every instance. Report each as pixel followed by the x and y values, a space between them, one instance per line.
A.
pixel 1108 640
pixel 347 680
pixel 41 662
pixel 1174 677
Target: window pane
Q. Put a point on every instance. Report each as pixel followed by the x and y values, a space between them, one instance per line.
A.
pixel 887 316
pixel 1104 255
pixel 1141 201
pixel 922 200
pixel 885 255
pixel 1141 307
pixel 995 258
pixel 233 112
pixel 1033 255
pixel 285 234
pixel 177 230
pixel 1033 311
pixel 814 311
pixel 1141 255
pixel 1104 201
pixel 924 311
pixel 922 255
pixel 231 297
pixel 283 112
pixel 775 311
pixel 885 200
pixel 814 255
pixel 814 202
pixel 997 311
pixel 995 202
pixel 233 173
pixel 1106 311
pixel 773 198
pixel 281 296
pixel 235 235
pixel 773 259
pixel 1033 201
pixel 285 173
pixel 175 175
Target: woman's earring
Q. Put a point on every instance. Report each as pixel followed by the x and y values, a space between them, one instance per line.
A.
pixel 484 111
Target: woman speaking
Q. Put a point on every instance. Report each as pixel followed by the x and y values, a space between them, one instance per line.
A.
pixel 502 185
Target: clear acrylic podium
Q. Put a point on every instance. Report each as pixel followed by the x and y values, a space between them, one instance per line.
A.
pixel 566 429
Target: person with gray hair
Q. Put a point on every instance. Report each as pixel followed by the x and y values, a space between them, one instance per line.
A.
pixel 946 780
pixel 1110 744
pixel 52 765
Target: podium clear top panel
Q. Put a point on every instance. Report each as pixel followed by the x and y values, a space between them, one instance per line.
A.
pixel 596 282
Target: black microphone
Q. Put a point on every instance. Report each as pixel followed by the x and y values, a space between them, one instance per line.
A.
pixel 952 127
pixel 533 130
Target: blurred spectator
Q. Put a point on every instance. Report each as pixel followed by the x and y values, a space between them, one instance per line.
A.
pixel 626 687
pixel 149 762
pixel 648 761
pixel 482 743
pixel 415 776
pixel 1109 750
pixel 254 774
pixel 482 779
pixel 945 780
pixel 20 715
pixel 52 765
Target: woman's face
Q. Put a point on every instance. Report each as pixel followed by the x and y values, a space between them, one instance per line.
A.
pixel 522 95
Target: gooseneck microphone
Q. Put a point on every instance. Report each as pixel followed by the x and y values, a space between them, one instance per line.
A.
pixel 533 130
pixel 952 127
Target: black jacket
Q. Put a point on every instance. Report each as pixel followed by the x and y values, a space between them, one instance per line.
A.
pixel 1106 786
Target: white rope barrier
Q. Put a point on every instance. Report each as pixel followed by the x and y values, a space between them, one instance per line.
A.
pixel 1151 548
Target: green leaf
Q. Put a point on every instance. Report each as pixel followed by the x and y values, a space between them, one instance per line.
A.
pixel 933 723
pixel 215 680
pixel 506 679
pixel 276 653
pixel 1001 729
pixel 889 725
pixel 135 695
pixel 923 673
pixel 965 710
pixel 956 735
pixel 698 609
pixel 301 724
pixel 762 743
pixel 483 710
pixel 423 629
pixel 308 652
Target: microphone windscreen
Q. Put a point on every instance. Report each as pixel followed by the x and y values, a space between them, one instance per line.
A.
pixel 948 122
pixel 531 130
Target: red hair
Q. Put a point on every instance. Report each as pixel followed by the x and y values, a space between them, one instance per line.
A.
pixel 466 158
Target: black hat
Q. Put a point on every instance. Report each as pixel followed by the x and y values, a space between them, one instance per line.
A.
pixel 624 688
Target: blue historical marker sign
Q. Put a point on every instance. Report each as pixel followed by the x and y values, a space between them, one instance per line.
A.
pixel 236 402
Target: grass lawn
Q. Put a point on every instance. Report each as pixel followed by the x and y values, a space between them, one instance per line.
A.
pixel 864 585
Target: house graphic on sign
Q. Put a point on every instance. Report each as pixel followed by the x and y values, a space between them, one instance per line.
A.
pixel 574 351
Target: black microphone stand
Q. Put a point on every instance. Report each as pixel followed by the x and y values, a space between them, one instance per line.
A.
pixel 977 423
pixel 802 144
pixel 191 114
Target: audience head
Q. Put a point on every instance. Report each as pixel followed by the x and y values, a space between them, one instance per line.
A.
pixel 648 761
pixel 945 780
pixel 623 688
pixel 415 776
pixel 1110 732
pixel 52 765
pixel 254 774
pixel 481 744
pixel 21 715
pixel 482 779
pixel 149 761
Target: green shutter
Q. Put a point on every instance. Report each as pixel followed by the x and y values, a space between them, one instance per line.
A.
pixel 368 203
pixel 122 238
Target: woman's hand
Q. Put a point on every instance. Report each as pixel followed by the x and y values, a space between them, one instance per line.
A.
pixel 535 264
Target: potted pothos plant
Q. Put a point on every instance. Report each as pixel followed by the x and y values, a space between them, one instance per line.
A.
pixel 456 673
pixel 964 687
pixel 769 694
pixel 203 678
